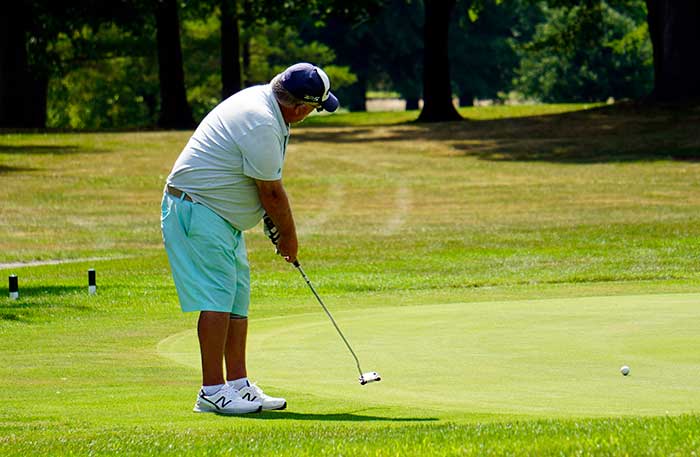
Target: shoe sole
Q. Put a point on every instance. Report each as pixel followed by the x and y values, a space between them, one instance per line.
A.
pixel 225 413
pixel 279 408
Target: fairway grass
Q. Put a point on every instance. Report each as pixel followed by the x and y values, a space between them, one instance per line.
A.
pixel 496 272
pixel 470 113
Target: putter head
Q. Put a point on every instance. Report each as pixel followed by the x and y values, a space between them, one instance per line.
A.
pixel 370 376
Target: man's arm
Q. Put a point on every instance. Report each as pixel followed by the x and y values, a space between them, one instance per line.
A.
pixel 274 201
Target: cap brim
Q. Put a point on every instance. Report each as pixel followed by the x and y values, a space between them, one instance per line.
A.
pixel 331 103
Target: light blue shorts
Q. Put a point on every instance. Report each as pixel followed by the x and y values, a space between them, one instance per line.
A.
pixel 207 258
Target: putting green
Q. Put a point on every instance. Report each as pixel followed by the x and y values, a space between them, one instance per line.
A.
pixel 546 358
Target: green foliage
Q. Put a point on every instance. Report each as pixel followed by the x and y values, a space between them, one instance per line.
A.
pixel 105 71
pixel 273 47
pixel 398 53
pixel 104 94
pixel 201 52
pixel 107 80
pixel 482 58
pixel 587 52
pixel 340 76
pixel 99 88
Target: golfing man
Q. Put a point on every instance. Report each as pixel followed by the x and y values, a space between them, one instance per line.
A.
pixel 228 176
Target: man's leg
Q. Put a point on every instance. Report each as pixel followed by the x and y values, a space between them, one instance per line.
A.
pixel 236 368
pixel 212 329
pixel 235 349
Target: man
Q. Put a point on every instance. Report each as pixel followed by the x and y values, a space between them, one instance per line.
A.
pixel 228 176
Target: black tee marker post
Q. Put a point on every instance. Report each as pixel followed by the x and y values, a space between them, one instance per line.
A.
pixel 14 287
pixel 92 285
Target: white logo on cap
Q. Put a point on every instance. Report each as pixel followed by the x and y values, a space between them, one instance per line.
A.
pixel 326 83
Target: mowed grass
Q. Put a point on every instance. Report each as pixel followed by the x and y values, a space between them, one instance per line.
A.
pixel 471 113
pixel 552 358
pixel 512 263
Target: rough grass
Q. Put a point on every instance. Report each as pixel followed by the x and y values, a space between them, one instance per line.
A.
pixel 507 205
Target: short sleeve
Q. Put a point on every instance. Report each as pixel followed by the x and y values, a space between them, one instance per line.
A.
pixel 263 155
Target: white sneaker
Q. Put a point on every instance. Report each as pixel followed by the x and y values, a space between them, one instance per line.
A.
pixel 225 401
pixel 254 393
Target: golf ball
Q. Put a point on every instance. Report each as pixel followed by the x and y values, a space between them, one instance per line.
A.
pixel 625 370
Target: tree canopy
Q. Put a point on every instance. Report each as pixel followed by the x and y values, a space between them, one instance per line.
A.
pixel 140 63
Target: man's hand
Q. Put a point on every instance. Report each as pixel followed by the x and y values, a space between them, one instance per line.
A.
pixel 288 248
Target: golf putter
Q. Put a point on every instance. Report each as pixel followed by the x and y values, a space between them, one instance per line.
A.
pixel 365 378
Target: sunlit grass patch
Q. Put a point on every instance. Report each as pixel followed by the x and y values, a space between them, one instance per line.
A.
pixel 405 229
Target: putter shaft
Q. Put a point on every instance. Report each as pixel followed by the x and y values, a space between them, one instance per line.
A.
pixel 306 278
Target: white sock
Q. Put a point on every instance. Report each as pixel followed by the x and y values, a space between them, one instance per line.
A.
pixel 238 384
pixel 211 390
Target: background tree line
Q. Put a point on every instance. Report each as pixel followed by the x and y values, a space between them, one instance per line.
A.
pixel 136 63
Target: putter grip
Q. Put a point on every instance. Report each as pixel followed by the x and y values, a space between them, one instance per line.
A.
pixel 296 263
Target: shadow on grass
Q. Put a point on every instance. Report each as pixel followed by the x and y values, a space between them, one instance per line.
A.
pixel 339 417
pixel 36 297
pixel 36 291
pixel 34 301
pixel 39 149
pixel 9 316
pixel 4 169
pixel 619 133
pixel 44 149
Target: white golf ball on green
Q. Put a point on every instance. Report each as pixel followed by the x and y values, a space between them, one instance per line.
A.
pixel 625 370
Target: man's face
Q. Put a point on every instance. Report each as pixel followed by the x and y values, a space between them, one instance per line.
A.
pixel 300 112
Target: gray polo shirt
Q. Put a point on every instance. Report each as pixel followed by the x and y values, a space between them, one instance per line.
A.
pixel 242 139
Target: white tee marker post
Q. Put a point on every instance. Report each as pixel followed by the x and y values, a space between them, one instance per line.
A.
pixel 14 287
pixel 92 286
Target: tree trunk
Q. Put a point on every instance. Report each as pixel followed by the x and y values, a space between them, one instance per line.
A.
pixel 466 98
pixel 13 70
pixel 412 103
pixel 247 80
pixel 38 92
pixel 437 86
pixel 674 28
pixel 20 107
pixel 175 112
pixel 230 49
pixel 355 97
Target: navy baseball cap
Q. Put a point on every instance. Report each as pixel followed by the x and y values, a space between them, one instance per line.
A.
pixel 309 83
